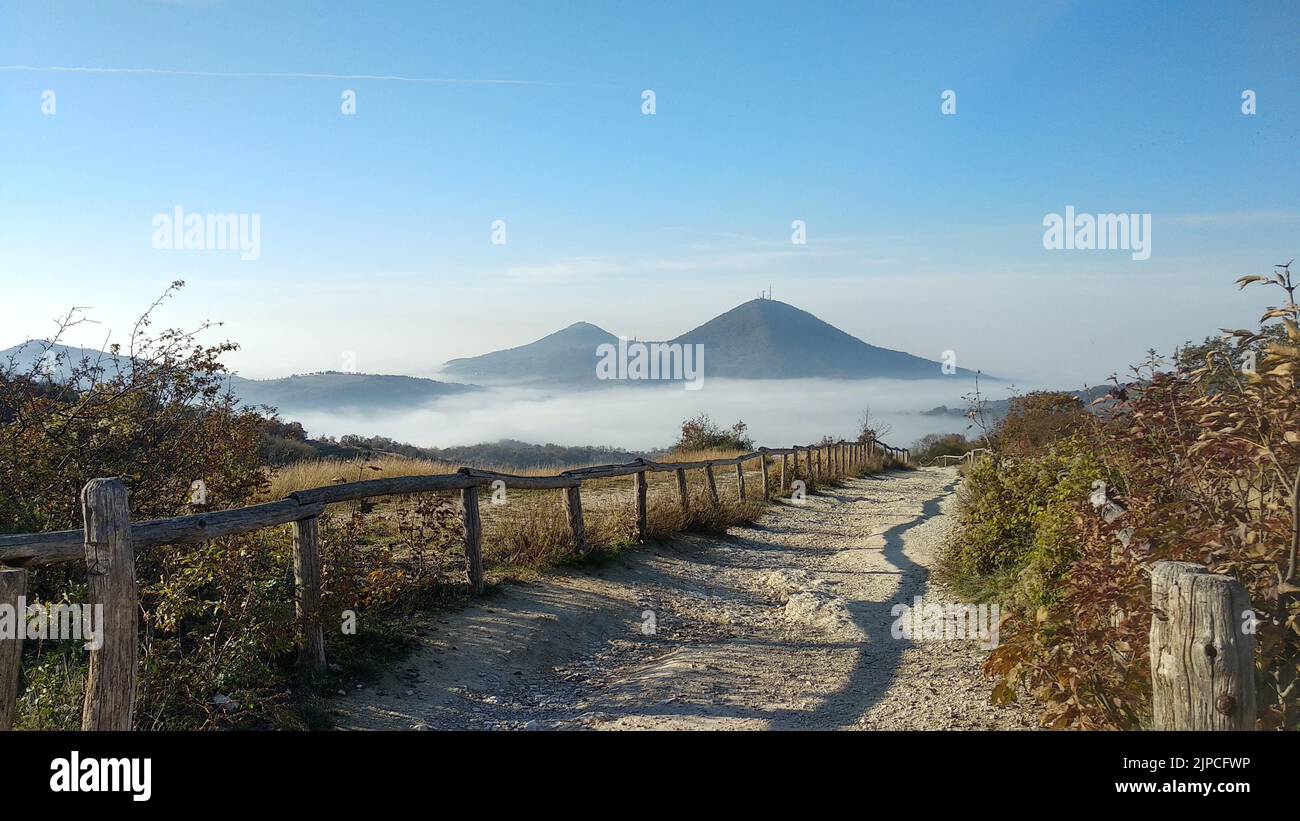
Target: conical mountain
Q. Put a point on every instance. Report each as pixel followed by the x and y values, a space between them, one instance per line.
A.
pixel 767 339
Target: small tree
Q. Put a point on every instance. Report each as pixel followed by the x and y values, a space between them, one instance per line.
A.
pixel 1036 420
pixel 870 427
pixel 701 433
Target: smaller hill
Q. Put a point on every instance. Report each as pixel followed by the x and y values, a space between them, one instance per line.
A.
pixel 333 390
pixel 568 355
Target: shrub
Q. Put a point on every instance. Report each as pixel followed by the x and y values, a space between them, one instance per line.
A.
pixel 1015 517
pixel 702 433
pixel 1206 459
pixel 1037 420
pixel 933 445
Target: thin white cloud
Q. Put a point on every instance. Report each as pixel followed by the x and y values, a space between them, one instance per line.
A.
pixel 280 75
pixel 1233 218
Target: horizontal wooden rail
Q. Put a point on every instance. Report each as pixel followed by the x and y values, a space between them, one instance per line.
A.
pixel 486 477
pixel 397 486
pixel 68 545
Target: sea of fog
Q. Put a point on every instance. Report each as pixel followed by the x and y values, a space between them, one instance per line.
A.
pixel 778 412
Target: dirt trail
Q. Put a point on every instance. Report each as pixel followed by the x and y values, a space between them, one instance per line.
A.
pixel 784 625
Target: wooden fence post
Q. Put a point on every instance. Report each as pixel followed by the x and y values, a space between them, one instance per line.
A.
pixel 713 484
pixel 110 570
pixel 573 504
pixel 1202 660
pixel 681 490
pixel 306 582
pixel 762 466
pixel 642 518
pixel 740 481
pixel 817 471
pixel 13 589
pixel 473 537
pixel 784 459
pixel 796 461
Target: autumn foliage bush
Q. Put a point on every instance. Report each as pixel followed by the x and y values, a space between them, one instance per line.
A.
pixel 1205 459
pixel 218 635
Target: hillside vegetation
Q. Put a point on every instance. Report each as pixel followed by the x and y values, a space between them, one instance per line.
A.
pixel 1195 460
pixel 218 639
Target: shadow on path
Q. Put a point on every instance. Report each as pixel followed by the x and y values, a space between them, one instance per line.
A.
pixel 882 654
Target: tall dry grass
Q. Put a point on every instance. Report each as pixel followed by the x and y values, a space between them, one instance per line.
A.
pixel 528 531
pixel 314 473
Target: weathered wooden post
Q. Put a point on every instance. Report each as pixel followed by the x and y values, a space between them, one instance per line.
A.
pixel 713 485
pixel 1202 658
pixel 817 470
pixel 473 537
pixel 762 466
pixel 573 504
pixel 681 490
pixel 796 461
pixel 642 517
pixel 740 480
pixel 110 570
pixel 13 589
pixel 306 582
pixel 784 458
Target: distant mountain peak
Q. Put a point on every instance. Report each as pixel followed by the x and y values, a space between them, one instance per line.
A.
pixel 759 339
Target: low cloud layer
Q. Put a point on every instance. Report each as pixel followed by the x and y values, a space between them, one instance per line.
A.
pixel 778 412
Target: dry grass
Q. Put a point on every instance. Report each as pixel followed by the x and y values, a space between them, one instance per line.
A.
pixel 700 455
pixel 322 472
pixel 529 532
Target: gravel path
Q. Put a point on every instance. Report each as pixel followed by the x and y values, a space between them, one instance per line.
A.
pixel 784 625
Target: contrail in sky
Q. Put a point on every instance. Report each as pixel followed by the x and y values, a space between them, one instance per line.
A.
pixel 287 75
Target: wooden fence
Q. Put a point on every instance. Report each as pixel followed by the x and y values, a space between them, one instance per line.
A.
pixel 109 538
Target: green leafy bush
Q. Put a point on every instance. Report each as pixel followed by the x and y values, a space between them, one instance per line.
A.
pixel 1016 515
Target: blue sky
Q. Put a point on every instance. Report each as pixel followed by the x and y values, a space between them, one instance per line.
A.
pixel 924 230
